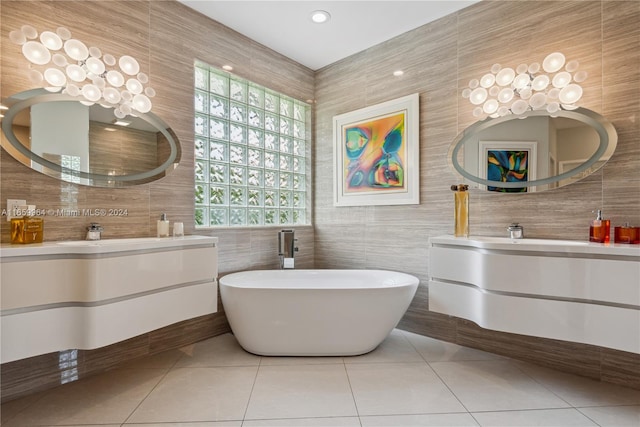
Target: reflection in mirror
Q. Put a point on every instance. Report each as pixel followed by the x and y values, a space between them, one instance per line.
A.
pixel 534 151
pixel 59 136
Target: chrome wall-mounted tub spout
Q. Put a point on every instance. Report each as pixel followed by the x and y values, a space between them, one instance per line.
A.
pixel 286 248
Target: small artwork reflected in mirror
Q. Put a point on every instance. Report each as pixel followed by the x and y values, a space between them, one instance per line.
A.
pixel 507 161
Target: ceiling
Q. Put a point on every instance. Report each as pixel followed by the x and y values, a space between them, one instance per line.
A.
pixel 286 26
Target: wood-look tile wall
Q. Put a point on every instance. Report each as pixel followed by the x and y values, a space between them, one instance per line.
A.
pixel 439 59
pixel 165 37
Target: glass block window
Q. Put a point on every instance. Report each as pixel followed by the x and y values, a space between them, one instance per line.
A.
pixel 251 145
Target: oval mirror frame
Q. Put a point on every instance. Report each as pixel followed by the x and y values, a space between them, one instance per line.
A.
pixel 33 97
pixel 605 130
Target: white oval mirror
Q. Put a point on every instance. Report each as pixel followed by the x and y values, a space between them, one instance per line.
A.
pixel 534 151
pixel 59 136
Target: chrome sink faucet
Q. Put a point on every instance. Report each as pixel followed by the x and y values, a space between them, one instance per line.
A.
pixel 94 231
pixel 515 231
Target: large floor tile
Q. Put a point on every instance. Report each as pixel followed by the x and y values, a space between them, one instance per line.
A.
pixel 12 408
pixel 164 360
pixel 614 416
pixel 495 386
pixel 203 424
pixel 395 348
pixel 294 360
pixel 424 420
pixel 581 391
pixel 433 350
pixel 198 394
pixel 222 350
pixel 539 417
pixel 301 391
pixel 108 398
pixel 399 388
pixel 306 422
pixel 90 425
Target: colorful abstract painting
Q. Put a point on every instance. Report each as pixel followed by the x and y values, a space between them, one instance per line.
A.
pixel 508 166
pixel 512 163
pixel 376 154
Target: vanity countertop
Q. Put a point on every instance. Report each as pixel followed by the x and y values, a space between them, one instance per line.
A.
pixel 81 247
pixel 540 245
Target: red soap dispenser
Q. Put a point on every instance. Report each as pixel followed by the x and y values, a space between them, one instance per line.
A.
pixel 599 230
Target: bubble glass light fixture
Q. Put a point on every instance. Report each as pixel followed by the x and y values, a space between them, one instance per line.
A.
pixel 17 37
pixel 553 62
pixel 540 82
pixel 129 65
pixel 76 49
pixel 570 94
pixel 51 40
pixel 29 32
pixel 505 95
pixel 134 86
pixel 505 76
pixel 59 59
pixel 55 77
pixel 562 79
pixel 504 91
pixel 91 92
pixel 79 71
pixel 64 33
pixel 478 96
pixel 110 60
pixel 95 65
pixel 35 77
pixel 142 103
pixel 115 78
pixel 487 80
pixel 521 81
pixel 36 52
pixel 490 106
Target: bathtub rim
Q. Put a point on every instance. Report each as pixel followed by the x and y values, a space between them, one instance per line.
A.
pixel 376 279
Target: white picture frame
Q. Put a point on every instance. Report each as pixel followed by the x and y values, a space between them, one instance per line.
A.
pixel 364 172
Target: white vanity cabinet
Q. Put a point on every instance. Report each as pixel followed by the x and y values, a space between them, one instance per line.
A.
pixel 87 294
pixel 567 290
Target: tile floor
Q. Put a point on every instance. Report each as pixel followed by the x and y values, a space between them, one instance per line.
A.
pixel 410 380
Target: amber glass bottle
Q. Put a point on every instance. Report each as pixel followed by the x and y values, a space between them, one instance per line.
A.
pixel 461 210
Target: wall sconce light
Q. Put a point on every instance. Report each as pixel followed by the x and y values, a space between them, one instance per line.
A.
pixel 62 64
pixel 507 91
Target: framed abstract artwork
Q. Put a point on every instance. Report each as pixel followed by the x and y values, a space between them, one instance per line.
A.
pixel 376 154
pixel 508 161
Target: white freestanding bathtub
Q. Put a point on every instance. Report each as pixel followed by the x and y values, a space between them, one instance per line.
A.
pixel 315 312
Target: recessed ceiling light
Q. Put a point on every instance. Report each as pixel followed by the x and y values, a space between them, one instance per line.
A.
pixel 320 16
pixel 227 67
pixel 398 73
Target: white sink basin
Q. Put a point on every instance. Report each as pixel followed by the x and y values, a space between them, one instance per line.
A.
pixel 526 241
pixel 540 245
pixel 105 246
pixel 111 241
